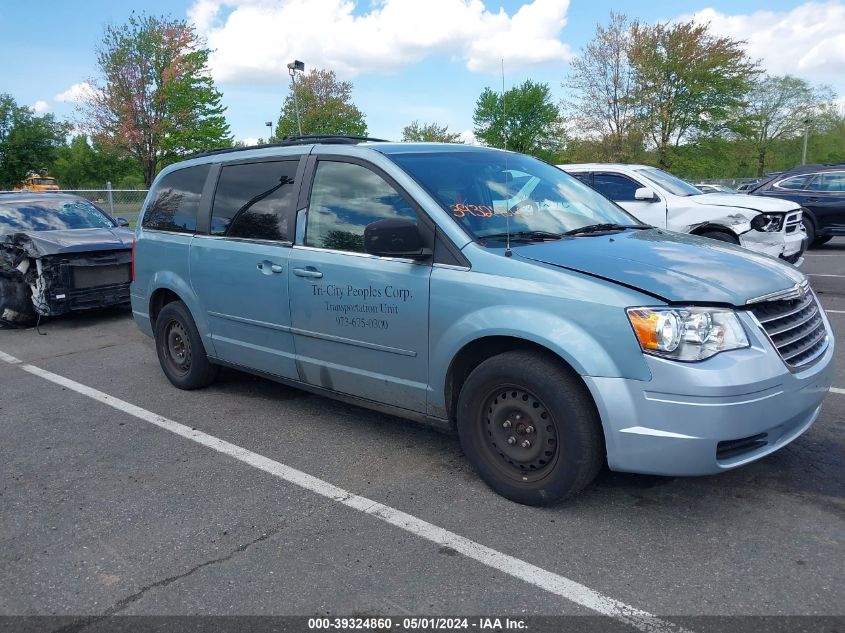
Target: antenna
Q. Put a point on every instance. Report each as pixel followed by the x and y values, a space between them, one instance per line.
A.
pixel 508 252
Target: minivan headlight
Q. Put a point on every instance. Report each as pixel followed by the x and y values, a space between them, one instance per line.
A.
pixel 767 222
pixel 687 334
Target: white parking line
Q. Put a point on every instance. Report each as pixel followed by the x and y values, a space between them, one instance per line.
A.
pixel 822 275
pixel 537 576
pixel 835 311
pixel 837 390
pixel 9 359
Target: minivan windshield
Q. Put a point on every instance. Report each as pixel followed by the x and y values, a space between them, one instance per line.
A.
pixel 492 193
pixel 669 182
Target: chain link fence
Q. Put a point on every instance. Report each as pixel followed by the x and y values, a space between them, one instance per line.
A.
pixel 122 203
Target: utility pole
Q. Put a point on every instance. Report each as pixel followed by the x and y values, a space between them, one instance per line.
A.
pixel 294 67
pixel 270 125
pixel 806 134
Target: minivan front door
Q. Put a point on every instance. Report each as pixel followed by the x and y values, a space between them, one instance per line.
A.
pixel 240 269
pixel 360 322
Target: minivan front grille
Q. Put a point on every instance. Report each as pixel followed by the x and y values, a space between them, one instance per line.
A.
pixel 795 327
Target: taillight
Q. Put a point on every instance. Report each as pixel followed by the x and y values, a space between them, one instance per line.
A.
pixel 132 262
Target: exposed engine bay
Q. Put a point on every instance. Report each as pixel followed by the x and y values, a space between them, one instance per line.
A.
pixel 36 279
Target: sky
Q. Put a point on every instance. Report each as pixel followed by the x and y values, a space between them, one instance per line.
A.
pixel 425 60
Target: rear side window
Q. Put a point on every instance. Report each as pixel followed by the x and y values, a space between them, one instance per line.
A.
pixel 616 187
pixel 253 200
pixel 176 201
pixel 829 181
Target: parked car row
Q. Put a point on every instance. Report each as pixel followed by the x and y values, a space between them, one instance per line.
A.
pixel 557 322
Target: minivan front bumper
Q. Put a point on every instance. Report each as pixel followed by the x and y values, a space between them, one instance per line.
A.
pixel 708 417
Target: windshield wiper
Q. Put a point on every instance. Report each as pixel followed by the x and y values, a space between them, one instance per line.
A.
pixel 535 236
pixel 603 228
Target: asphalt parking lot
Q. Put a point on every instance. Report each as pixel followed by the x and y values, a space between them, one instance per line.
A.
pixel 104 511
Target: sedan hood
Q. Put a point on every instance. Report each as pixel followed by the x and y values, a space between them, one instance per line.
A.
pixel 675 267
pixel 752 203
pixel 40 243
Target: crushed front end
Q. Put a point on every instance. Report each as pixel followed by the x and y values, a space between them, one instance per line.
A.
pixel 34 282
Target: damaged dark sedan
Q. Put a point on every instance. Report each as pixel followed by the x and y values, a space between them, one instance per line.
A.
pixel 60 253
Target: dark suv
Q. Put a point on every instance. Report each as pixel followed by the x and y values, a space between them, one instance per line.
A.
pixel 820 189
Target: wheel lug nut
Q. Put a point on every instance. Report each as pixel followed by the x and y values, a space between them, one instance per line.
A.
pixel 506 424
pixel 511 440
pixel 518 416
pixel 525 444
pixel 529 429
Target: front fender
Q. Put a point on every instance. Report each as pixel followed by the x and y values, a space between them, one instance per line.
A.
pixel 563 337
pixel 687 218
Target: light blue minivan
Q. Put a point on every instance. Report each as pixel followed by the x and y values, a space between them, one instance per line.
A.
pixel 482 291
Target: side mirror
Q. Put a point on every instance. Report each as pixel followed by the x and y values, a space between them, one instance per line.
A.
pixel 394 237
pixel 122 221
pixel 645 194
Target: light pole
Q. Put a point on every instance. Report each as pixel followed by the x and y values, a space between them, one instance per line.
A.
pixel 806 134
pixel 270 125
pixel 294 67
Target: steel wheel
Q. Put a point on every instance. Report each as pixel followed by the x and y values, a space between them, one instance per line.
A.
pixel 520 433
pixel 178 352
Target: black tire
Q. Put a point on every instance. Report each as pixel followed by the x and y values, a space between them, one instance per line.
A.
pixel 810 229
pixel 180 350
pixel 822 240
pixel 556 412
pixel 720 235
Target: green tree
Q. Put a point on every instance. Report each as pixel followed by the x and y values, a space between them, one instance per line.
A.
pixel 688 81
pixel 779 108
pixel 526 120
pixel 430 132
pixel 27 142
pixel 81 165
pixel 602 102
pixel 325 107
pixel 155 98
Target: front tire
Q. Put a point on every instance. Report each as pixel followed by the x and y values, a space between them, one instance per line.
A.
pixel 720 236
pixel 529 428
pixel 180 350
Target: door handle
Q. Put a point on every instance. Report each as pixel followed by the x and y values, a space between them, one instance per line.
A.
pixel 269 267
pixel 813 199
pixel 309 273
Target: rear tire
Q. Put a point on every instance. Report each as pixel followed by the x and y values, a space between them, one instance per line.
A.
pixel 529 428
pixel 180 350
pixel 822 240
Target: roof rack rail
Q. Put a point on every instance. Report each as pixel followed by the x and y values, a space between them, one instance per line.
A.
pixel 305 139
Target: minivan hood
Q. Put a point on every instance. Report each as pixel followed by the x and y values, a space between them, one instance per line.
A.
pixel 753 203
pixel 676 267
pixel 73 240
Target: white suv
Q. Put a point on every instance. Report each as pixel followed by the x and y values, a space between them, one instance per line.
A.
pixel 660 199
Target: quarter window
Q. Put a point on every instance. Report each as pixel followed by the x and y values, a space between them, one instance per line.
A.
pixel 616 187
pixel 254 200
pixel 346 198
pixel 176 200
